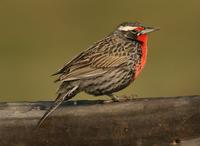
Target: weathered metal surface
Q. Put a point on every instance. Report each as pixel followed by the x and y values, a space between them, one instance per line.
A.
pixel 141 122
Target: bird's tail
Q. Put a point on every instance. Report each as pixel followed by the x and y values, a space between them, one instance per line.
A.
pixel 58 101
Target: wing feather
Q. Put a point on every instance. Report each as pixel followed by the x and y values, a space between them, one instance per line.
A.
pixel 80 73
pixel 94 62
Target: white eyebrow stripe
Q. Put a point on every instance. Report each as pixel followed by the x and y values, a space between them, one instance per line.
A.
pixel 127 28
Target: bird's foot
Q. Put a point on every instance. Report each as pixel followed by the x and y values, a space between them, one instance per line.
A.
pixel 131 97
pixel 107 101
pixel 115 98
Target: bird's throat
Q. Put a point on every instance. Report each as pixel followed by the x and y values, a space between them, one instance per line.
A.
pixel 143 39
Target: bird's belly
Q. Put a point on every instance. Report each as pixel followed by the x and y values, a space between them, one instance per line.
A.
pixel 110 82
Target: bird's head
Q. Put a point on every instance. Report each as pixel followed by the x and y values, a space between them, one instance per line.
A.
pixel 135 31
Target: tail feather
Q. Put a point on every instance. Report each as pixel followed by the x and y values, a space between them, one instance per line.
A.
pixel 59 100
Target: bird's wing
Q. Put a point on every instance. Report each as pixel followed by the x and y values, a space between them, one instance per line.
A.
pixel 66 67
pixel 83 56
pixel 109 60
pixel 95 62
pixel 94 67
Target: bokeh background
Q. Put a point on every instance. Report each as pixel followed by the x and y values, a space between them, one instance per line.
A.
pixel 38 36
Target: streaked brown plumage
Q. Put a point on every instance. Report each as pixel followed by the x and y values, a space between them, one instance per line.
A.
pixel 108 66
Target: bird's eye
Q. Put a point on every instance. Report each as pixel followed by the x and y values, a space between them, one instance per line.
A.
pixel 134 32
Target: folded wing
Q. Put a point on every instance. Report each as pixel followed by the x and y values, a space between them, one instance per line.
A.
pixel 92 63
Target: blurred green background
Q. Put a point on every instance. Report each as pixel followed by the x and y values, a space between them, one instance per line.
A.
pixel 39 36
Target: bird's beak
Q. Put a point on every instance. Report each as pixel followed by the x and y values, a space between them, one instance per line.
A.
pixel 148 30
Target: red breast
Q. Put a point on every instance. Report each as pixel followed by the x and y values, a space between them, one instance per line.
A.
pixel 142 38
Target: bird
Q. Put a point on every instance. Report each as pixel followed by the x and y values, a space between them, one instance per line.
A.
pixel 107 66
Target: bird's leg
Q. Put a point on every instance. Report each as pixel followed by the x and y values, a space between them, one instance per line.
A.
pixel 115 98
